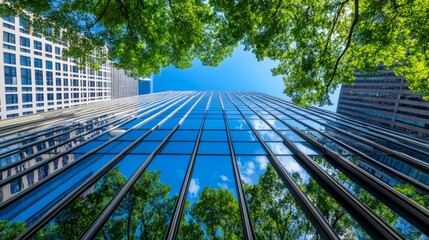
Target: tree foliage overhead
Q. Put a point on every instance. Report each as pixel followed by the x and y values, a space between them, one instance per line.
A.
pixel 319 44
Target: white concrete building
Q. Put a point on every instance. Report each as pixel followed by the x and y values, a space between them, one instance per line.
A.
pixel 34 77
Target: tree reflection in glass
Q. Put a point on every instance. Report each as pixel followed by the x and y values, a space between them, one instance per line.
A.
pixel 336 216
pixel 213 212
pixel 75 218
pixel 392 218
pixel 146 210
pixel 274 212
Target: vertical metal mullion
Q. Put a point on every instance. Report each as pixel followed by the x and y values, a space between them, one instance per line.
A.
pixel 361 154
pixel 372 223
pixel 42 132
pixel 88 183
pixel 318 221
pixel 410 210
pixel 245 216
pixel 390 132
pixel 406 158
pixel 22 173
pixel 378 146
pixel 23 160
pixel 92 231
pixel 173 227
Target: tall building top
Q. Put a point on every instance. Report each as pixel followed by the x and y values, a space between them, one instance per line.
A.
pixel 233 165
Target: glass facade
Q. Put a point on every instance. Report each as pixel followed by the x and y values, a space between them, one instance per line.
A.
pixel 209 165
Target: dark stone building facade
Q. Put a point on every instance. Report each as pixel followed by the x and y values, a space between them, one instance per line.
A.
pixel 385 99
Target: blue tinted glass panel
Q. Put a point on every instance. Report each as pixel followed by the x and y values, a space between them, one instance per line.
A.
pixel 247 136
pixel 212 124
pixel 216 192
pixel 306 148
pixel 157 135
pixel 278 125
pixel 279 148
pixel 132 135
pixel 270 136
pixel 145 147
pixel 191 124
pixel 238 125
pixel 153 196
pixel 248 148
pixel 259 125
pixel 88 147
pixel 170 123
pixel 89 205
pixel 214 136
pixel 213 148
pixel 292 136
pixel 114 147
pixel 184 135
pixel 179 148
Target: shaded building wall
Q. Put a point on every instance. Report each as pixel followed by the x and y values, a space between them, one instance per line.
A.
pixel 385 99
pixel 123 85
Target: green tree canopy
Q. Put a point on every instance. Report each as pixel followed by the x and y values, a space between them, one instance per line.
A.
pixel 319 44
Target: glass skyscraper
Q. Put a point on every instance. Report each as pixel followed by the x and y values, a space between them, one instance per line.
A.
pixel 209 165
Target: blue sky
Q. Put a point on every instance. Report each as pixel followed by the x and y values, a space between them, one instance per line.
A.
pixel 241 72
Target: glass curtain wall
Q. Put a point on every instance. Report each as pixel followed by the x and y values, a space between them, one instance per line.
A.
pixel 209 165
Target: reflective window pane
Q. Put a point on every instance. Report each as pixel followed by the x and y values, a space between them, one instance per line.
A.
pixel 212 210
pixel 213 148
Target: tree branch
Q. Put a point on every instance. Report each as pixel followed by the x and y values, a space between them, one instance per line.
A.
pixel 349 40
pixel 102 14
pixel 334 23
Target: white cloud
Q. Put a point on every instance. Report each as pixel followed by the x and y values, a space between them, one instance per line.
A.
pixel 246 179
pixel 194 187
pixel 262 161
pixel 292 166
pixel 250 168
pixel 260 124
pixel 278 148
pixel 224 178
pixel 223 185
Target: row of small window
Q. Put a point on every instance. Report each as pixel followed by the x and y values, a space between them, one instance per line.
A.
pixel 12 27
pixel 10 58
pixel 25 42
pixel 50 89
pixel 28 97
pixel 10 78
pixel 22 21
